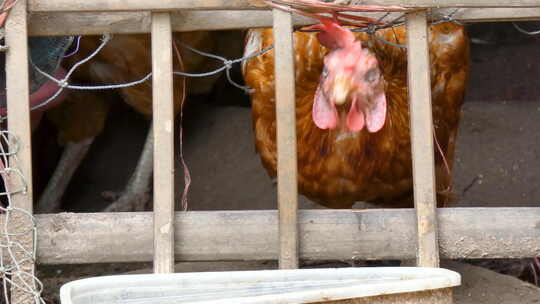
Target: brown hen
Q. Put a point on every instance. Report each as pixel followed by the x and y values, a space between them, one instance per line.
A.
pixel 339 161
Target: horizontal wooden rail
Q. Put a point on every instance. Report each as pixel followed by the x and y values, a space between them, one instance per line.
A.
pixel 167 5
pixel 253 235
pixel 74 23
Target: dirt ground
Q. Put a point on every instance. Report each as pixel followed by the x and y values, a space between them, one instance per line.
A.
pixel 496 161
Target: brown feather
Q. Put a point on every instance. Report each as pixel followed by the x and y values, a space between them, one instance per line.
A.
pixel 337 169
pixel 124 59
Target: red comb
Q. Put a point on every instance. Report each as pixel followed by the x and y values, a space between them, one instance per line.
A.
pixel 332 35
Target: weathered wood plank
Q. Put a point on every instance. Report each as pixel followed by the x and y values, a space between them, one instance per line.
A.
pixel 286 140
pixel 140 5
pixel 168 5
pixel 72 23
pixel 46 24
pixel 496 14
pixel 163 128
pixel 425 200
pixel 18 105
pixel 253 235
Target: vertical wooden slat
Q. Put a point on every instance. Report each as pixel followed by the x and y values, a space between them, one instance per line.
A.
pixel 286 140
pixel 163 124
pixel 422 139
pixel 19 124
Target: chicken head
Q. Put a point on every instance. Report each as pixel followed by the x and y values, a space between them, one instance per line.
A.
pixel 351 89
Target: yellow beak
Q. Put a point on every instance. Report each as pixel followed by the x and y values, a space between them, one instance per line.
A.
pixel 340 90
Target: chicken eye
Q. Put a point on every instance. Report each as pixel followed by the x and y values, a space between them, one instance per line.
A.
pixel 325 72
pixel 372 75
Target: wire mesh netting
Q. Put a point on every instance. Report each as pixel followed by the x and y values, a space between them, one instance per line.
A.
pixel 18 230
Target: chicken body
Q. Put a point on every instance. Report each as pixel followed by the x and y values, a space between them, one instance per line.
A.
pixel 125 58
pixel 337 167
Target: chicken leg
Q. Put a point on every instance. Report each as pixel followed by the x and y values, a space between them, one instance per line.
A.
pixel 71 158
pixel 137 192
pixel 78 120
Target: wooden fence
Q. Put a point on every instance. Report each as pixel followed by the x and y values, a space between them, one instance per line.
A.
pixel 287 234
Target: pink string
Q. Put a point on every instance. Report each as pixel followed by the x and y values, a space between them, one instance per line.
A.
pixel 448 171
pixel 187 175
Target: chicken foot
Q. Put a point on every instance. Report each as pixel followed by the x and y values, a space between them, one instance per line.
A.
pixel 71 158
pixel 138 190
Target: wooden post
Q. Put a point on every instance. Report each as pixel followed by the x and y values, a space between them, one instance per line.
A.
pixel 427 254
pixel 19 125
pixel 286 140
pixel 163 128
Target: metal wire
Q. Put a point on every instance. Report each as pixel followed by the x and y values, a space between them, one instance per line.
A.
pixel 13 254
pixel 63 83
pixel 523 31
pixel 227 64
pixel 372 28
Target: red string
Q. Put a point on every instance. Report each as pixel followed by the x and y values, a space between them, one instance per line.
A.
pixel 448 171
pixel 4 10
pixel 187 176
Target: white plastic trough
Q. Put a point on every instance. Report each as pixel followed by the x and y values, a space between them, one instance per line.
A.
pixel 335 285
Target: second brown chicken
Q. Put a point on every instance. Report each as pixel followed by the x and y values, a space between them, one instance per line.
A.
pixel 81 118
